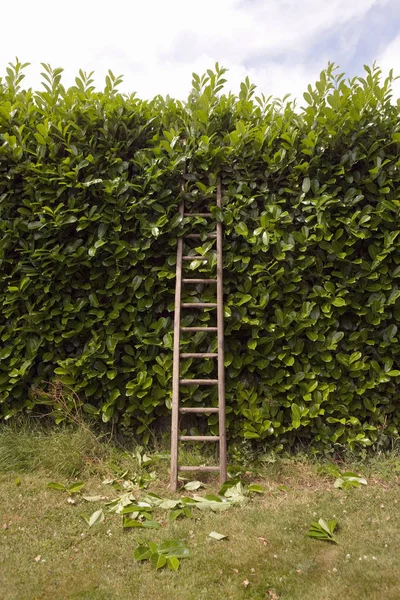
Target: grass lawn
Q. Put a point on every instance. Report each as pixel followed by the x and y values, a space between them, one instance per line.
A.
pixel 47 550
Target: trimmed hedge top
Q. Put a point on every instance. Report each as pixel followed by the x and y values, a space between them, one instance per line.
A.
pixel 89 190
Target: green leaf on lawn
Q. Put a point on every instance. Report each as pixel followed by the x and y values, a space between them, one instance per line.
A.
pixel 158 560
pixel 142 553
pixel 96 518
pixel 173 563
pixel 254 487
pixel 323 530
pixel 191 486
pixel 56 486
pixel 76 487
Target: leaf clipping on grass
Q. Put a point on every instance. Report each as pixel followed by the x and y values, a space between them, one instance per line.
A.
pixel 95 518
pixel 53 485
pixel 323 530
pixel 166 553
pixel 348 480
pixel 191 486
pixel 217 536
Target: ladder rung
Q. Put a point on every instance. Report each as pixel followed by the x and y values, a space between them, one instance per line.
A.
pixel 199 438
pixel 203 258
pixel 199 305
pixel 186 214
pixel 199 280
pixel 198 354
pixel 199 468
pixel 199 328
pixel 198 236
pixel 198 381
pixel 201 409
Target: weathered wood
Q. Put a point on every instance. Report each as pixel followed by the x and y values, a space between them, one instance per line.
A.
pixel 199 328
pixel 199 354
pixel 197 214
pixel 220 335
pixel 178 355
pixel 200 409
pixel 176 364
pixel 199 305
pixel 203 258
pixel 192 280
pixel 199 236
pixel 199 468
pixel 199 438
pixel 198 381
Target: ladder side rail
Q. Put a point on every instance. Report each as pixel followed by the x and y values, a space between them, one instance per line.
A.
pixel 176 361
pixel 220 334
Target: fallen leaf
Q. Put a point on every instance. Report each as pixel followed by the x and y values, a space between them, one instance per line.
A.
pixel 283 488
pixel 273 595
pixel 264 540
pixel 193 485
pixel 217 536
pixel 246 582
pixel 37 558
pixel 71 501
pixel 53 485
pixel 94 498
pixel 96 518
pixel 254 487
pixel 235 570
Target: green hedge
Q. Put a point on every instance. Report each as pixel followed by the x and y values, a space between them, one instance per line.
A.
pixel 89 190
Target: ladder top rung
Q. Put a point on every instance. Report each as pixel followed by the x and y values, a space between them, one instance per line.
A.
pixel 199 304
pixel 198 381
pixel 199 280
pixel 203 258
pixel 198 236
pixel 199 468
pixel 199 354
pixel 199 328
pixel 199 438
pixel 200 409
pixel 205 214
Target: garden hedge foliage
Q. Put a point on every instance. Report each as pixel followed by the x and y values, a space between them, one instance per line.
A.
pixel 89 190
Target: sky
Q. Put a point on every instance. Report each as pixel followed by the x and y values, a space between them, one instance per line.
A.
pixel 282 45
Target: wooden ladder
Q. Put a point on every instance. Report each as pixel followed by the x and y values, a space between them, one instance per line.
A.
pixel 178 355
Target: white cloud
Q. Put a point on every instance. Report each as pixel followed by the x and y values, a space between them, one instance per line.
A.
pixel 389 59
pixel 158 43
